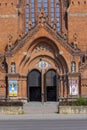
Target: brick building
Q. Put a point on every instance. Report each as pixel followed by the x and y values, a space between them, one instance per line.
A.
pixel 43 49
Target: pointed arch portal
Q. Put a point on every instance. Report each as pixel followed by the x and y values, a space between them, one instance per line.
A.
pixel 51 85
pixel 43 82
pixel 34 85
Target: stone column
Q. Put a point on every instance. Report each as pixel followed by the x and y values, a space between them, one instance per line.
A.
pixel 42 87
pixel 62 89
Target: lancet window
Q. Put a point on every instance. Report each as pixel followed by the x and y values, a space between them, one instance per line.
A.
pixel 52 8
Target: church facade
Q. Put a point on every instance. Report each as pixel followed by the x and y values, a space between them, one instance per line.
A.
pixel 43 49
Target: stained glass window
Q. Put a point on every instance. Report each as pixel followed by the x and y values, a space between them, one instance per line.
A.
pixel 51 9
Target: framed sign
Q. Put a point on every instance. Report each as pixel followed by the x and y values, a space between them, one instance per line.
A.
pixel 13 88
pixel 73 87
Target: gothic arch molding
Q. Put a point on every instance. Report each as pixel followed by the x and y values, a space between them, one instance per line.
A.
pixel 45 40
pixel 55 63
pixel 47 50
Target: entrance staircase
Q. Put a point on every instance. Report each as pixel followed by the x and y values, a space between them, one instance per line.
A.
pixel 40 108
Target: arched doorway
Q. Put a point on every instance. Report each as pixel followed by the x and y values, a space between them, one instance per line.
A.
pixel 51 85
pixel 34 85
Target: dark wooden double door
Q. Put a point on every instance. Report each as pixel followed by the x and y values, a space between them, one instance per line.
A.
pixel 35 86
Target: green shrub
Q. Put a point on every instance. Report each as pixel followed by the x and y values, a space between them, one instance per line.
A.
pixel 81 101
pixel 78 102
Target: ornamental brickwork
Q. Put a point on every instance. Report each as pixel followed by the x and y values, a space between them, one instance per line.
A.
pixel 43 49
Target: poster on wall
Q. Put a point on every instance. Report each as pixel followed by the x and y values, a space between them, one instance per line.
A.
pixel 13 88
pixel 73 87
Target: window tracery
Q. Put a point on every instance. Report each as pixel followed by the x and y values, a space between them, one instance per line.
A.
pixel 52 8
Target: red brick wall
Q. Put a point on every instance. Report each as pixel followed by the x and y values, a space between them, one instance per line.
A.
pixel 14 24
pixel 8 21
pixel 77 22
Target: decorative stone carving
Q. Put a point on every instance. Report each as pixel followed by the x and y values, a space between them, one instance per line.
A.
pixel 30 25
pixel 42 16
pixel 3 64
pixel 75 42
pixel 43 47
pixel 66 3
pixel 10 38
pixel 9 45
pixel 43 64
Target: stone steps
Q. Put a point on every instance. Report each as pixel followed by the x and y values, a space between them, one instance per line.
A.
pixel 39 108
